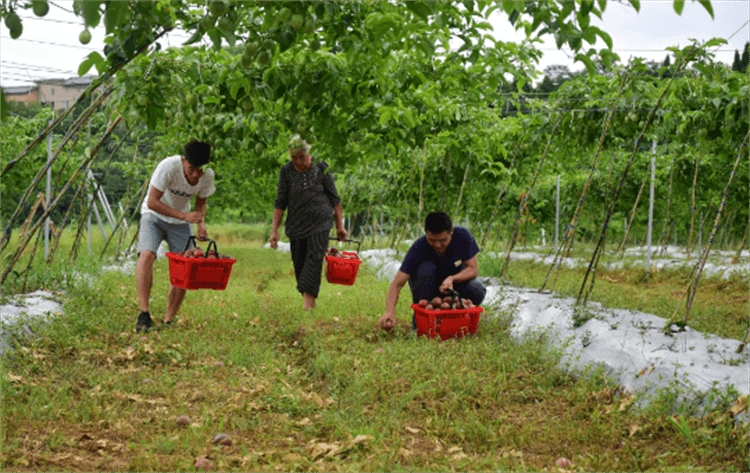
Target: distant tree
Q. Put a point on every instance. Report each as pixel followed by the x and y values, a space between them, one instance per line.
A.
pixel 546 86
pixel 745 58
pixel 665 66
pixel 737 63
pixel 22 109
pixel 558 74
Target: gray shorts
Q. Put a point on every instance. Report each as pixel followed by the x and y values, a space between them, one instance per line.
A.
pixel 155 230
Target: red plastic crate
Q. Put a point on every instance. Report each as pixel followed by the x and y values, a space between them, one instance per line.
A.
pixel 342 270
pixel 452 323
pixel 199 273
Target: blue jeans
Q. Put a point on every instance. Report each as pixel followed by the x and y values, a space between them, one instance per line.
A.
pixel 425 284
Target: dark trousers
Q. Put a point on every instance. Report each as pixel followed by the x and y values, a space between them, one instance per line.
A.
pixel 307 257
pixel 425 284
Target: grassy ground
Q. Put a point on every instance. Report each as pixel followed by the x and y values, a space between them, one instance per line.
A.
pixel 318 391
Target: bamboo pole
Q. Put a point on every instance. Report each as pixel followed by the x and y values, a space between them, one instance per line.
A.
pixel 123 221
pixel 595 258
pixel 53 204
pixel 445 182
pixel 736 257
pixel 84 183
pixel 91 88
pixel 402 228
pixel 503 190
pixel 570 231
pixel 693 287
pixel 525 197
pixel 664 238
pixel 76 129
pixel 461 192
pixel 692 208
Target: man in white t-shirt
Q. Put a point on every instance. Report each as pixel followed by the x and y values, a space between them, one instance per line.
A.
pixel 166 215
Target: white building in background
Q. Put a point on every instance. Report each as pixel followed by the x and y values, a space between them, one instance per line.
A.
pixel 58 94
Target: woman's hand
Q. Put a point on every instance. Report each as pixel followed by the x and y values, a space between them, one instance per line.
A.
pixel 342 233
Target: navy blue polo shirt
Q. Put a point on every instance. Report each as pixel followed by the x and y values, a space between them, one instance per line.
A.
pixel 462 248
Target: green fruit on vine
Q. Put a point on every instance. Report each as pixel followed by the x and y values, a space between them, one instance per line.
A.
pixel 40 7
pixel 314 45
pixel 632 116
pixel 268 44
pixel 264 58
pixel 142 100
pixel 218 8
pixel 208 22
pixel 206 120
pixel 13 22
pixel 251 48
pixel 309 26
pixel 702 133
pixel 246 103
pixel 259 148
pixel 225 24
pixel 297 21
pixel 84 37
pixel 191 100
pixel 285 14
pixel 306 97
pixel 246 61
pixel 300 129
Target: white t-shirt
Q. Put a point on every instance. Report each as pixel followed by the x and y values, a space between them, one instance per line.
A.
pixel 169 177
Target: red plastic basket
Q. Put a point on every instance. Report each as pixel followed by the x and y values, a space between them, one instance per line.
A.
pixel 343 270
pixel 452 323
pixel 201 272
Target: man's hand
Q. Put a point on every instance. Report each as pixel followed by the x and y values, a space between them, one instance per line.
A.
pixel 274 240
pixel 194 217
pixel 387 322
pixel 202 233
pixel 447 285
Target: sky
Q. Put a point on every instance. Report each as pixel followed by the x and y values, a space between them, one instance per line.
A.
pixel 49 46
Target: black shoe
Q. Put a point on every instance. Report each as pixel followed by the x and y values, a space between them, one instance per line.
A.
pixel 144 322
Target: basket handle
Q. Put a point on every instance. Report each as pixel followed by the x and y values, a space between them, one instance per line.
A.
pixel 192 238
pixel 348 241
pixel 457 297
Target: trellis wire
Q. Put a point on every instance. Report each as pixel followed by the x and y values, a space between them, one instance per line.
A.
pixel 570 231
pixel 525 197
pixel 504 189
pixel 597 250
pixel 693 287
pixel 52 205
pixel 692 208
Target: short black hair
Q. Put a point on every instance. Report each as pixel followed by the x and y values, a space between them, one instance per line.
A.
pixel 438 222
pixel 198 153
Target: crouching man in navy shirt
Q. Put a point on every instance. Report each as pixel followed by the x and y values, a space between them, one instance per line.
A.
pixel 444 258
